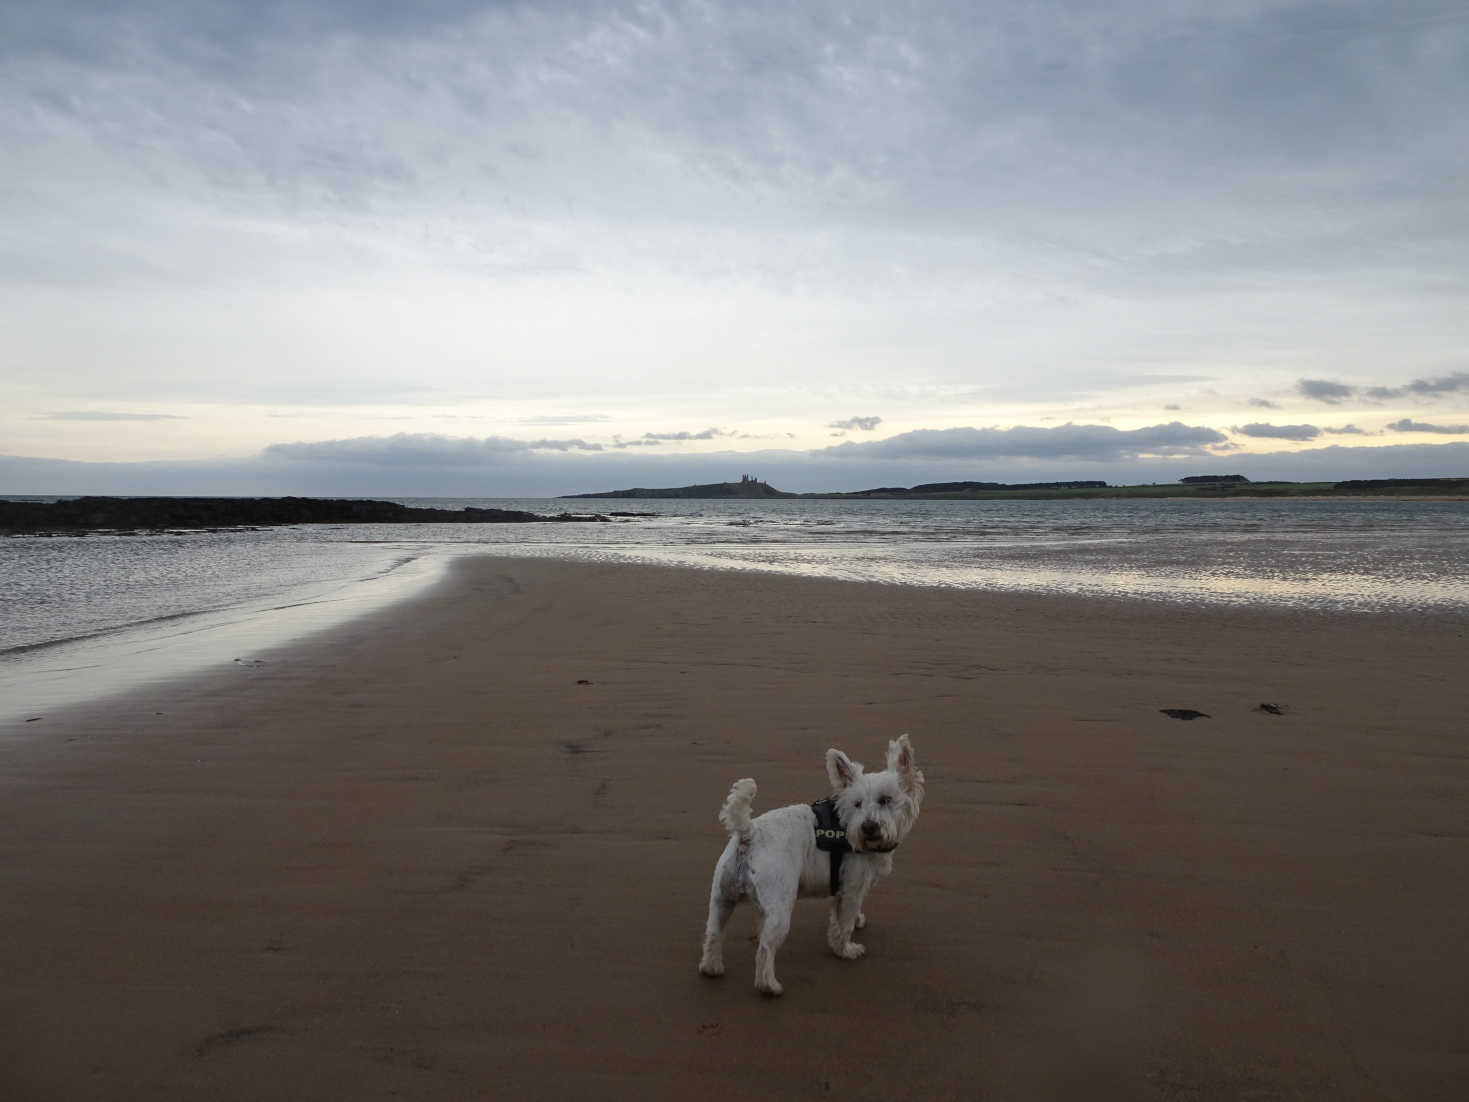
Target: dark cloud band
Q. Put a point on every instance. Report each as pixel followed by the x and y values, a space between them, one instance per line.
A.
pixel 1279 432
pixel 1408 425
pixel 865 424
pixel 420 449
pixel 1324 390
pixel 1090 442
pixel 106 415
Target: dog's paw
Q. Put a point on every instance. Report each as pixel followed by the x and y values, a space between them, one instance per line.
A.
pixel 711 968
pixel 851 951
pixel 773 988
pixel 861 921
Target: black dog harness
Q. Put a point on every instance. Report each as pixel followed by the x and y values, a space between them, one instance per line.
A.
pixel 831 837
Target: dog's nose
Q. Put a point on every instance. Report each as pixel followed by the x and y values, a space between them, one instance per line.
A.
pixel 870 829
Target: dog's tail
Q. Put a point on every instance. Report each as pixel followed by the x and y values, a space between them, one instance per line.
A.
pixel 735 814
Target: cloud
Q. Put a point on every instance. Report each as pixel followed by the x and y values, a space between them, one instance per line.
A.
pixel 1324 390
pixel 1069 441
pixel 1265 431
pixel 565 419
pixel 419 449
pixel 1406 425
pixel 866 424
pixel 1444 384
pixel 1429 388
pixel 1279 432
pixel 105 415
pixel 653 439
pixel 707 434
pixel 1263 403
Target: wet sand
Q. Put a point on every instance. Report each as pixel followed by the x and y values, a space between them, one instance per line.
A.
pixel 460 848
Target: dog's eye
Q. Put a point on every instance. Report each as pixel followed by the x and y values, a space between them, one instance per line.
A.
pixel 857 804
pixel 884 800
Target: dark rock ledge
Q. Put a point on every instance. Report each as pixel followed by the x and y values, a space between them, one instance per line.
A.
pixel 105 513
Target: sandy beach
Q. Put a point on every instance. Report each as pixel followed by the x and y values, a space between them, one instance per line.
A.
pixel 461 848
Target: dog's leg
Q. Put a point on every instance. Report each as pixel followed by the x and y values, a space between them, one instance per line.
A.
pixel 884 868
pixel 861 919
pixel 773 931
pixel 776 902
pixel 724 893
pixel 846 913
pixel 720 908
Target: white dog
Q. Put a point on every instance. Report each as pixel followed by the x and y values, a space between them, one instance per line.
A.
pixel 837 847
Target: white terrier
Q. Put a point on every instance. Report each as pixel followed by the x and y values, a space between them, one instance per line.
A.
pixel 837 847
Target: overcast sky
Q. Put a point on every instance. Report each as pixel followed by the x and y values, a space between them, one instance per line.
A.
pixel 502 248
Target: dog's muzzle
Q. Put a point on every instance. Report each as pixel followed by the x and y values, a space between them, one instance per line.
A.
pixel 871 839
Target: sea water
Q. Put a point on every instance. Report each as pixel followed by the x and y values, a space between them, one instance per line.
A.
pixel 98 612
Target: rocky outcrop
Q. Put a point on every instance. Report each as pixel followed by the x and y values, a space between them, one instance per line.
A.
pixel 97 513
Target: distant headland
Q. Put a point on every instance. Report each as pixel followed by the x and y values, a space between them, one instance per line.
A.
pixel 121 513
pixel 747 486
pixel 1195 486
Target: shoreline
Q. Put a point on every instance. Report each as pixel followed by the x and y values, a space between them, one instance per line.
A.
pixel 175 648
pixel 1411 568
pixel 462 844
pixel 269 630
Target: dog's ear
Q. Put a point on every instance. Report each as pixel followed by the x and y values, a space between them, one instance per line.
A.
pixel 902 761
pixel 841 769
